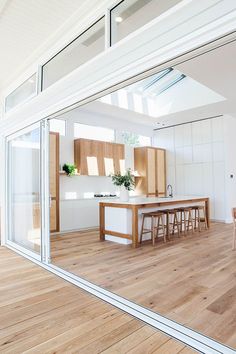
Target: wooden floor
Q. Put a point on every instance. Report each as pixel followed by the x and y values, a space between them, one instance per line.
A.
pixel 191 280
pixel 41 313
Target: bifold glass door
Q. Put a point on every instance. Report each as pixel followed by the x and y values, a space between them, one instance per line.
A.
pixel 23 182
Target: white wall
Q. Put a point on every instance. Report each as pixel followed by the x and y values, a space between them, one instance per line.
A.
pixel 230 164
pixel 75 211
pixel 200 160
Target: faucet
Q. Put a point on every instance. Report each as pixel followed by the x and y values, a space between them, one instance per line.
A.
pixel 169 191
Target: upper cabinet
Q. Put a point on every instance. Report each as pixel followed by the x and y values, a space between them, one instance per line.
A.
pixel 98 158
pixel 150 163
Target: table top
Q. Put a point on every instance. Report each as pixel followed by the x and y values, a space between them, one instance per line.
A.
pixel 155 200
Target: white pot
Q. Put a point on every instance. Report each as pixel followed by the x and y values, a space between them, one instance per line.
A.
pixel 124 194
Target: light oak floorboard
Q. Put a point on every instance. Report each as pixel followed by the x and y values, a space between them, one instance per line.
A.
pixel 42 313
pixel 190 279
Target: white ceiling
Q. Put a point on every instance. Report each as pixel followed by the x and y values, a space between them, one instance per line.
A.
pixel 25 25
pixel 216 70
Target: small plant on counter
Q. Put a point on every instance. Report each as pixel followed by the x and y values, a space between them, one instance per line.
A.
pixel 69 169
pixel 126 180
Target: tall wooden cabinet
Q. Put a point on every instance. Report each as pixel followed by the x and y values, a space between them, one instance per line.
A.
pixel 150 163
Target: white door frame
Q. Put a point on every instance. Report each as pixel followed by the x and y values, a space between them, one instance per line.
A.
pixel 8 223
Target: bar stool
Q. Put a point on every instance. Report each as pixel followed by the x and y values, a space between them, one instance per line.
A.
pixel 157 224
pixel 166 221
pixel 172 217
pixel 186 220
pixel 198 218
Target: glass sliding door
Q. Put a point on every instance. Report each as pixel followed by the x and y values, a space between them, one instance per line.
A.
pixel 24 207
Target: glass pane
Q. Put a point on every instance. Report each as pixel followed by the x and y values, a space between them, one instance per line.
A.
pixel 128 16
pixel 134 139
pixel 22 93
pixel 94 133
pixel 82 49
pixel 24 191
pixel 181 279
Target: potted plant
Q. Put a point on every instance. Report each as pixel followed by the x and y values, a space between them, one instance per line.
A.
pixel 125 182
pixel 69 169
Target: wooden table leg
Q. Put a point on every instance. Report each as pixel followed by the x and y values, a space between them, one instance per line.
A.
pixel 207 211
pixel 102 221
pixel 134 226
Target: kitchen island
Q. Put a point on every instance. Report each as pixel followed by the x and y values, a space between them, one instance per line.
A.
pixel 121 221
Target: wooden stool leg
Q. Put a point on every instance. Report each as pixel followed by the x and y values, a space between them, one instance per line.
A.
pixel 153 231
pixel 199 220
pixel 177 223
pixel 181 221
pixel 163 227
pixel 191 220
pixel 173 223
pixel 205 219
pixel 141 235
pixel 167 226
pixel 158 227
pixel 188 221
pixel 185 223
pixel 195 219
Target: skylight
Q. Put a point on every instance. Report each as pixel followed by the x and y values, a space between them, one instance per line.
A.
pixel 158 83
pixel 162 94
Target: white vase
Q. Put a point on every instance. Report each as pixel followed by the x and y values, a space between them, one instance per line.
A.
pixel 124 194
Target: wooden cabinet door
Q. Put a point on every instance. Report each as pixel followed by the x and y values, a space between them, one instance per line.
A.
pixel 151 172
pixel 88 156
pixel 108 158
pixel 54 182
pixel 161 172
pixel 98 158
pixel 119 158
pixel 140 165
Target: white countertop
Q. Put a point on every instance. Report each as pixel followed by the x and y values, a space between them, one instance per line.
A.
pixel 153 200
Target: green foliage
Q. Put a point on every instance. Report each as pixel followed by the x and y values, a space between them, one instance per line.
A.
pixel 69 169
pixel 131 139
pixel 125 180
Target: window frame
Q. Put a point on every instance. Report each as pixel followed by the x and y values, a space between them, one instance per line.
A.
pixel 110 22
pixel 66 46
pixel 36 92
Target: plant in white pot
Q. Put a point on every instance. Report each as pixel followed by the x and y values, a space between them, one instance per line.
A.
pixel 125 182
